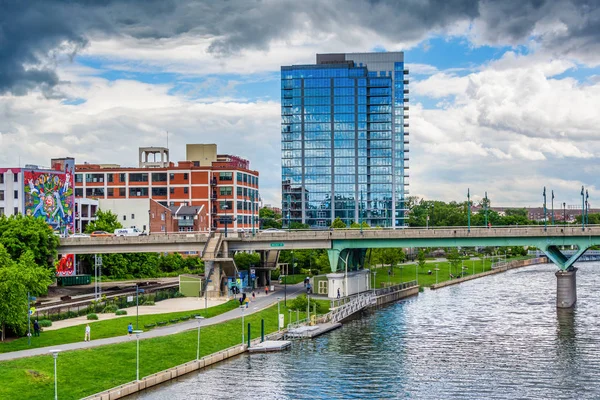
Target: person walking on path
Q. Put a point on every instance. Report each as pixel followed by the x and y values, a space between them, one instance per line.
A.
pixel 86 338
pixel 130 329
pixel 253 296
pixel 266 290
pixel 36 328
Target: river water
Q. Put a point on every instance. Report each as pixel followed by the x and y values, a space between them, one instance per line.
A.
pixel 497 337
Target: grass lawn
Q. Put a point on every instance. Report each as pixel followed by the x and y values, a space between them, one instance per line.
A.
pixel 108 328
pixel 85 372
pixel 292 279
pixel 408 272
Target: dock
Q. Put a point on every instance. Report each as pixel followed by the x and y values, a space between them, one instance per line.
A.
pixel 270 345
pixel 313 331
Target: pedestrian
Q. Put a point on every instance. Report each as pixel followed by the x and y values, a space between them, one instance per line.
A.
pixel 130 329
pixel 36 328
pixel 247 301
pixel 253 296
pixel 266 290
pixel 86 338
pixel 339 295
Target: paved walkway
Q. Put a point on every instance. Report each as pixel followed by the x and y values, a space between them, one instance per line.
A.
pixel 259 304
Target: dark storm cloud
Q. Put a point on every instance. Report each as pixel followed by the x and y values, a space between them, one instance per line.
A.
pixel 30 31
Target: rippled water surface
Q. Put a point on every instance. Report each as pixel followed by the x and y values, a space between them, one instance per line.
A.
pixel 497 337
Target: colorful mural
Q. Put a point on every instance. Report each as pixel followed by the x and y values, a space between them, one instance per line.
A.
pixel 50 195
pixel 66 265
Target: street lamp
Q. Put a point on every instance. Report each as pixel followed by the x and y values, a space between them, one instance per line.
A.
pixel 199 318
pixel 55 356
pixel 552 202
pixel 360 212
pixel 469 209
pixel 485 207
pixel 137 305
pixel 545 219
pixel 436 273
pixel 137 358
pixel 564 213
pixel 226 219
pixel 278 315
pixel 582 210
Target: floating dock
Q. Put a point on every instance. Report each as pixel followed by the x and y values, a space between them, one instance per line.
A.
pixel 270 345
pixel 312 331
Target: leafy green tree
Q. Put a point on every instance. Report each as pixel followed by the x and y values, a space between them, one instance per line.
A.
pixel 421 258
pixel 338 223
pixel 392 257
pixel 20 234
pixel 246 260
pixel 269 218
pixel 454 258
pixel 16 280
pixel 356 225
pixel 105 221
pixel 299 225
pixel 170 262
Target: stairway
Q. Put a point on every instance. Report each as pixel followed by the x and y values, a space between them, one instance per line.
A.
pixel 212 247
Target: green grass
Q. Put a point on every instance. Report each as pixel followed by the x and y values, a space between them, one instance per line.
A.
pixel 292 279
pixel 108 328
pixel 408 272
pixel 85 372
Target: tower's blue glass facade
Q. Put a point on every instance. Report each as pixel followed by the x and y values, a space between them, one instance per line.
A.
pixel 344 147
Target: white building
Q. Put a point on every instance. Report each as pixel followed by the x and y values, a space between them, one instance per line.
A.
pixel 131 213
pixel 11 191
pixel 85 212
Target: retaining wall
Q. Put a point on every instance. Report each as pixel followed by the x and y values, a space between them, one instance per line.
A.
pixel 398 295
pixel 503 268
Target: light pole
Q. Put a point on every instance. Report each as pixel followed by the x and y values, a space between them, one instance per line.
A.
pixel 545 219
pixel 226 219
pixel 587 207
pixel 564 213
pixel 137 305
pixel 28 321
pixel 55 356
pixel 137 358
pixel 252 210
pixel 552 202
pixel 289 211
pixel 242 308
pixel 436 273
pixel 485 208
pixel 278 315
pixel 469 209
pixel 582 210
pixel 199 318
pixel 360 212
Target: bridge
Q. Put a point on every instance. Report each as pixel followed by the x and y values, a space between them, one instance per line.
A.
pixel 346 248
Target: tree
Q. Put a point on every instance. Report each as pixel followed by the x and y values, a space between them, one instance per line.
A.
pixel 105 221
pixel 338 224
pixel 454 258
pixel 269 218
pixel 421 258
pixel 299 225
pixel 356 225
pixel 20 234
pixel 392 256
pixel 16 280
pixel 244 261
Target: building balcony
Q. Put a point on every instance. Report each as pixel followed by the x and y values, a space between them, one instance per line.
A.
pixel 405 72
pixel 406 99
pixel 405 91
pixel 405 82
pixel 185 222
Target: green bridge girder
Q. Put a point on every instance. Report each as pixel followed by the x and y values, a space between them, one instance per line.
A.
pixel 351 252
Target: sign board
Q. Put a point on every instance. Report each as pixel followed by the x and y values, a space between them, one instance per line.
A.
pixel 130 299
pixel 31 310
pixel 253 273
pixel 277 244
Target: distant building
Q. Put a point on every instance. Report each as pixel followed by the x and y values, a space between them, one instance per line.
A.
pixel 568 212
pixel 222 185
pixel 344 140
pixel 178 218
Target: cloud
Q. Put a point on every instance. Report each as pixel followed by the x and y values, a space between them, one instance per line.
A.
pixel 36 34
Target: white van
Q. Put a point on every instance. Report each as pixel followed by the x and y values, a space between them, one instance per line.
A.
pixel 128 232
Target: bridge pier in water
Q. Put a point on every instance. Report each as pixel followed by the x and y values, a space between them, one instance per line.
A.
pixel 566 288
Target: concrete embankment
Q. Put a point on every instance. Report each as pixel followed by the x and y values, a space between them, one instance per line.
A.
pixel 502 268
pixel 395 293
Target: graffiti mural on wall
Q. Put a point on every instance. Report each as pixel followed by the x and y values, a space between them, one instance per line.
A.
pixel 49 195
pixel 66 265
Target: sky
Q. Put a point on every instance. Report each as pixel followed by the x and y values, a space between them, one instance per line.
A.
pixel 504 95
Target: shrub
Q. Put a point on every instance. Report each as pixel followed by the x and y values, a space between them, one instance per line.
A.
pixel 111 308
pixel 300 303
pixel 178 294
pixel 174 320
pixel 70 314
pixel 45 323
pixel 120 312
pixel 92 316
pixel 185 318
pixel 149 303
pixel 161 323
pixel 149 326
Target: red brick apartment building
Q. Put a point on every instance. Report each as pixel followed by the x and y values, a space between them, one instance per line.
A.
pixel 221 187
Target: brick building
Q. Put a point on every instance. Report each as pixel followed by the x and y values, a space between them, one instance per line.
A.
pixel 177 218
pixel 223 186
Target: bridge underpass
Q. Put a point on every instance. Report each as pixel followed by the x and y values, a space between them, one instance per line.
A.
pixel 346 248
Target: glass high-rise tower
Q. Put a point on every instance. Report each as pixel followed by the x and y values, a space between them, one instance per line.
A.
pixel 344 142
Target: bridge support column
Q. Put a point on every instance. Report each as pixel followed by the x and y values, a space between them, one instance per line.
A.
pixel 566 288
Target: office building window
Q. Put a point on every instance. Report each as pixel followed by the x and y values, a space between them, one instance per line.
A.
pixel 171 176
pixel 185 190
pixel 138 192
pixel 1 178
pixel 79 178
pixel 94 178
pixel 109 178
pixel 162 216
pixel 16 211
pixel 172 190
pixel 94 192
pixel 1 211
pixel 122 178
pixel 1 195
pixel 141 177
pixel 159 177
pixel 124 217
pixel 78 192
pixel 185 176
pixel 16 177
pixel 122 192
pixel 132 216
pixel 110 192
pixel 225 176
pixel 16 194
pixel 159 191
pixel 225 190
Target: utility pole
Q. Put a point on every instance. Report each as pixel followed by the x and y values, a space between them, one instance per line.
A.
pixel 469 209
pixel 485 208
pixel 582 209
pixel 552 207
pixel 545 219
